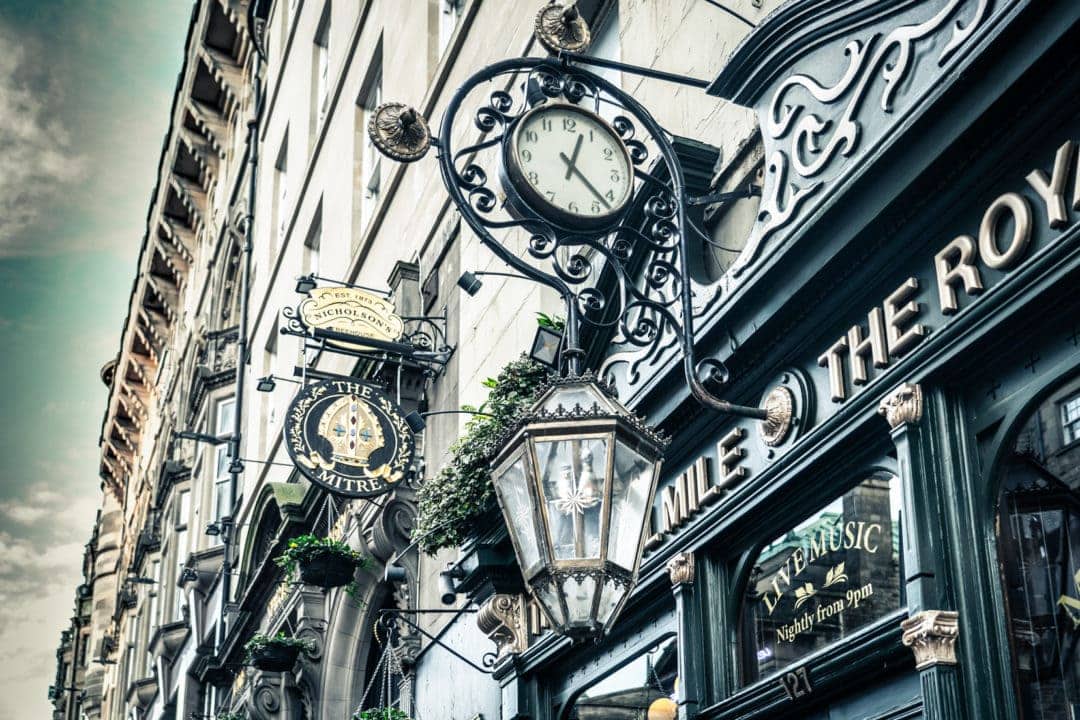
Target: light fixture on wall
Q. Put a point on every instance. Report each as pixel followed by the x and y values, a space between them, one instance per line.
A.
pixel 575 482
pixel 305 284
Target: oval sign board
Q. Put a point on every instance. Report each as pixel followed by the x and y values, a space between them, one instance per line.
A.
pixel 351 311
pixel 348 437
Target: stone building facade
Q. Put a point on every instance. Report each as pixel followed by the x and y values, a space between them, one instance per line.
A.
pixel 819 557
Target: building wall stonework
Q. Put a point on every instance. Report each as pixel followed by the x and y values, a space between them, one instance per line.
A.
pixel 172 604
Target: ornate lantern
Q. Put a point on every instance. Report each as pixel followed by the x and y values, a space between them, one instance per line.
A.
pixel 575 481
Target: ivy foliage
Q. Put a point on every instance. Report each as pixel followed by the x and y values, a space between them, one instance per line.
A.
pixel 383 713
pixel 462 491
pixel 231 716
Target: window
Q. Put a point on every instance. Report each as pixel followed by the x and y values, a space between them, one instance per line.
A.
pixel 181 518
pixel 836 571
pixel 449 16
pixel 1039 556
pixel 312 245
pixel 320 86
pixel 223 425
pixel 367 165
pixel 1070 418
pixel 269 406
pixel 155 590
pixel 281 198
pixel 605 42
pixel 644 687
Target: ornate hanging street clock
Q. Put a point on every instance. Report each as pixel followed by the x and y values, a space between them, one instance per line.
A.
pixel 568 166
pixel 348 437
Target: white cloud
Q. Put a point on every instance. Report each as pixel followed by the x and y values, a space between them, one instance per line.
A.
pixel 37 160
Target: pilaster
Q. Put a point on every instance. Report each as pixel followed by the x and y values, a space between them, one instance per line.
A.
pixel 682 572
pixel 930 633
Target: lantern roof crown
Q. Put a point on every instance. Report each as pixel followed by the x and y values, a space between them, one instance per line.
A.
pixel 583 397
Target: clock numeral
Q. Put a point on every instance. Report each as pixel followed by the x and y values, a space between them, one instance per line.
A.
pixel 615 176
pixel 573 207
pixel 568 123
pixel 609 154
pixel 590 136
pixel 550 194
pixel 530 136
pixel 545 124
pixel 610 195
pixel 595 207
pixel 533 178
pixel 526 156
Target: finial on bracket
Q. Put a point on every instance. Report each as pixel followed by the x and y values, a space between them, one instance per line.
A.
pixel 399 132
pixel 560 28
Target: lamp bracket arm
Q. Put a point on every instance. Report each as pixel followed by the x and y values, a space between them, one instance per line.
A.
pixel 391 615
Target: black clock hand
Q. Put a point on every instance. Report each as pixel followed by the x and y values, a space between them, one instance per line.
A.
pixel 584 179
pixel 572 162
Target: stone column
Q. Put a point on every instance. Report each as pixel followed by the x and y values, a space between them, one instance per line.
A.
pixel 682 572
pixel 930 632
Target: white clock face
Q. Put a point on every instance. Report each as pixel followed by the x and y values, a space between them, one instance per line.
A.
pixel 570 161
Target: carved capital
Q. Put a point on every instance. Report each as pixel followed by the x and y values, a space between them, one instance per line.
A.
pixel 503 619
pixel 681 569
pixel 903 405
pixel 931 635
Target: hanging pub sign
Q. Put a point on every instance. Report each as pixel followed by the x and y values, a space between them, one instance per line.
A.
pixel 348 437
pixel 341 313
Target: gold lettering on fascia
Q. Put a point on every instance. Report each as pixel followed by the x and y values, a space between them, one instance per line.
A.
pixel 1004 238
pixel 695 489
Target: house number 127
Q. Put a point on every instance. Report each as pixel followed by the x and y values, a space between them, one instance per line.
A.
pixel 796 683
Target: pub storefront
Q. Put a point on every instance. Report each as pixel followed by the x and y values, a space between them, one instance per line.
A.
pixel 905 541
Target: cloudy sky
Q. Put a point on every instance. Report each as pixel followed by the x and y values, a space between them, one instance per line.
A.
pixel 85 90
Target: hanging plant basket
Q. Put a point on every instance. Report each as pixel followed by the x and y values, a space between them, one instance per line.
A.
pixel 275 654
pixel 323 562
pixel 327 569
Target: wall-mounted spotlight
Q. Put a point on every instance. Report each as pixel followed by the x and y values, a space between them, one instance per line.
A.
pixel 305 284
pixel 202 437
pixel 187 575
pixel 266 384
pixel 213 529
pixel 139 580
pixel 447 587
pixel 546 346
pixel 394 573
pixel 469 283
pixel 416 421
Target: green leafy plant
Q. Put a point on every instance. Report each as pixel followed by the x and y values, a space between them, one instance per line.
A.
pixel 231 716
pixel 259 641
pixel 383 713
pixel 551 322
pixel 462 491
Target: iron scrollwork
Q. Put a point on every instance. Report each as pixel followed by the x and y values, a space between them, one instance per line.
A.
pixel 633 278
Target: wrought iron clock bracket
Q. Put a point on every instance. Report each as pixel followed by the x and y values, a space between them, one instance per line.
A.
pixel 402 134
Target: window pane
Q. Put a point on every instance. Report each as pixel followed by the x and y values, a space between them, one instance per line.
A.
pixel 573 483
pixel 833 573
pixel 1039 547
pixel 514 492
pixel 643 688
pixel 630 499
pixel 225 416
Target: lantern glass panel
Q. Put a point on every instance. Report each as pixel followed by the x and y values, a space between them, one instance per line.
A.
pixel 545 593
pixel 571 396
pixel 579 596
pixel 610 597
pixel 573 472
pixel 630 500
pixel 513 489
